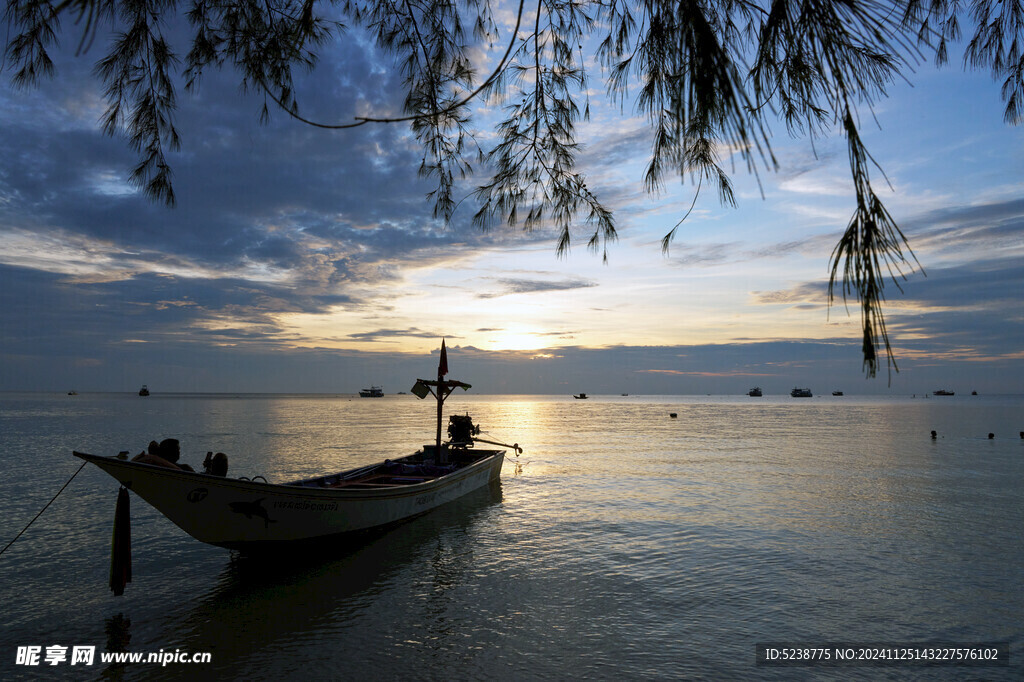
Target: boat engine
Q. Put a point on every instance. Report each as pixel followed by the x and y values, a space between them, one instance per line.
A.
pixel 461 429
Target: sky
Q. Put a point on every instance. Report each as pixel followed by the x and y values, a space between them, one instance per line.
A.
pixel 305 260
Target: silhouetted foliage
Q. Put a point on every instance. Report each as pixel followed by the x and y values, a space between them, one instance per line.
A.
pixel 709 74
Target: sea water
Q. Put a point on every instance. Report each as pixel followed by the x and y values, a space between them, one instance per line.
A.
pixel 623 543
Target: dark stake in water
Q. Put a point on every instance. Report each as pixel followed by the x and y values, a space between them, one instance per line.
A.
pixel 621 545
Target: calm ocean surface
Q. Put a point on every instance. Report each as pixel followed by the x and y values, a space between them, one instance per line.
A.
pixel 622 544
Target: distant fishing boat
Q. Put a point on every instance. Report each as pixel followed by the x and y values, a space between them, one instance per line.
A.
pixel 144 391
pixel 255 514
pixel 801 393
pixel 837 393
pixel 372 392
pixel 755 392
pixel 581 396
pixel 72 392
pixel 944 392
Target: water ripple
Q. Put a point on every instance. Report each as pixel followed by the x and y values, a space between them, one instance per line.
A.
pixel 621 545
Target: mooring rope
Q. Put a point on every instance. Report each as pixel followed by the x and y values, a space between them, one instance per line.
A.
pixel 44 508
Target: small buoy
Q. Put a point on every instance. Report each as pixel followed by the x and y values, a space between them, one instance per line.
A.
pixel 672 414
pixel 934 435
pixel 991 436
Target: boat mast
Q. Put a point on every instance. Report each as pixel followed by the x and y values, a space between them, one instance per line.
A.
pixel 442 369
pixel 443 390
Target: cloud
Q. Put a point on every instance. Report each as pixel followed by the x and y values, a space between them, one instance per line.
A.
pixel 817 184
pixel 983 230
pixel 734 373
pixel 803 294
pixel 511 286
pixel 410 332
pixel 692 254
pixel 281 221
pixel 684 254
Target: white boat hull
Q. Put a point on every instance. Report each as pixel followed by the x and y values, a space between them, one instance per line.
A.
pixel 243 514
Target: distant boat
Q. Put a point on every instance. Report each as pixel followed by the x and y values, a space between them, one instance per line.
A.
pixel 72 392
pixel 144 391
pixel 755 392
pixel 944 392
pixel 837 392
pixel 801 393
pixel 625 394
pixel 372 392
pixel 581 396
pixel 974 393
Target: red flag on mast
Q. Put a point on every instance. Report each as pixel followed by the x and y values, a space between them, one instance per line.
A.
pixel 442 367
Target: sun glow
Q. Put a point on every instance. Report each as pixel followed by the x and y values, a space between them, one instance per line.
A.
pixel 515 338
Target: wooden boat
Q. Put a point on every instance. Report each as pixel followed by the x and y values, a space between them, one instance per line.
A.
pixel 801 393
pixel 755 392
pixel 254 515
pixel 581 396
pixel 250 515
